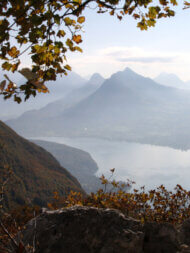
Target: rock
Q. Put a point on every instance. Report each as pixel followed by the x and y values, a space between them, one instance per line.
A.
pixel 185 232
pixel 86 230
pixel 160 238
pixel 95 230
pixel 184 248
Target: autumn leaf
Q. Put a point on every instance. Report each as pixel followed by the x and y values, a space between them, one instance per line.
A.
pixel 17 99
pixel 136 16
pixel 40 30
pixel 2 85
pixel 28 74
pixel 67 67
pixel 77 38
pixel 13 52
pixel 81 20
pixel 6 66
pixel 68 21
pixel 112 12
pixel 78 49
pixel 61 33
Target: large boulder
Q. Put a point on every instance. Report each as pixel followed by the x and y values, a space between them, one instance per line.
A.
pixel 184 236
pixel 95 230
pixel 160 238
pixel 86 230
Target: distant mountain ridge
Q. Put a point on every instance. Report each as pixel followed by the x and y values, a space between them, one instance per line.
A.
pixel 172 80
pixel 127 106
pixel 57 107
pixel 58 89
pixel 36 173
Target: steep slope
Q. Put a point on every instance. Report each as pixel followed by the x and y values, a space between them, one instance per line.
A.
pixel 36 173
pixel 78 162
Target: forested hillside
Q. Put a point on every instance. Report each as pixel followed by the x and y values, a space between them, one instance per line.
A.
pixel 36 174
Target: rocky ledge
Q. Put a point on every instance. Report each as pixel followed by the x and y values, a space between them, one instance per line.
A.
pixel 93 230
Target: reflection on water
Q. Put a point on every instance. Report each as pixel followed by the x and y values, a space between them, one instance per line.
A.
pixel 146 164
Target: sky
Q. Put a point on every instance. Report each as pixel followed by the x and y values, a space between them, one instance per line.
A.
pixel 110 45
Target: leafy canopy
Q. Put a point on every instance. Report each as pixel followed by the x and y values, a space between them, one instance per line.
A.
pixel 48 29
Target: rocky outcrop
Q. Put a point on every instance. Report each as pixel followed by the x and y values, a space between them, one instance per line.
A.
pixel 185 232
pixel 92 230
pixel 160 238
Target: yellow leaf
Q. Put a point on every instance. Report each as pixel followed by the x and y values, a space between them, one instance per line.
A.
pixel 112 12
pixel 67 67
pixel 81 20
pixel 61 33
pixel 78 49
pixel 68 21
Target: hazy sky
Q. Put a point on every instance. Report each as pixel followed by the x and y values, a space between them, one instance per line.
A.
pixel 110 45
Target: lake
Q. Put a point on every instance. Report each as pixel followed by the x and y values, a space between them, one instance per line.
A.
pixel 145 164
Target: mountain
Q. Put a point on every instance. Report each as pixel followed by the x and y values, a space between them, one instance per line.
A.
pixel 65 84
pixel 71 99
pixel 127 106
pixel 44 115
pixel 96 80
pixel 58 89
pixel 78 162
pixel 36 173
pixel 171 80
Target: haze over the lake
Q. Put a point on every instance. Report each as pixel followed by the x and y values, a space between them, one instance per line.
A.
pixel 145 164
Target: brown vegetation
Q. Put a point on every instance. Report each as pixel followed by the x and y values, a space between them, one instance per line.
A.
pixel 36 174
pixel 158 205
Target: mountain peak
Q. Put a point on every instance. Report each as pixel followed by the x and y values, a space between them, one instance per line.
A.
pixel 171 80
pixel 168 75
pixel 126 74
pixel 96 79
pixel 129 71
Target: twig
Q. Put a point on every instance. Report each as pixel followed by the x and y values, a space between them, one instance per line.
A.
pixel 34 238
pixel 8 234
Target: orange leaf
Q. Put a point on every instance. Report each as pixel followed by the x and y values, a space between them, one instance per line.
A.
pixel 77 38
pixel 81 20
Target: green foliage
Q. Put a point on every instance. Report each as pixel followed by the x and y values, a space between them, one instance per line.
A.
pixel 51 28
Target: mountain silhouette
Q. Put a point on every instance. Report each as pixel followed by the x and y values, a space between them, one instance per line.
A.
pixel 172 80
pixel 127 106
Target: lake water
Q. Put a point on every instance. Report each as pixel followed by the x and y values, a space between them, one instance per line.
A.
pixel 145 164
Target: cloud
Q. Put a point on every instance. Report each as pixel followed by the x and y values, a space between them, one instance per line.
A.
pixel 150 63
pixel 146 59
pixel 137 55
